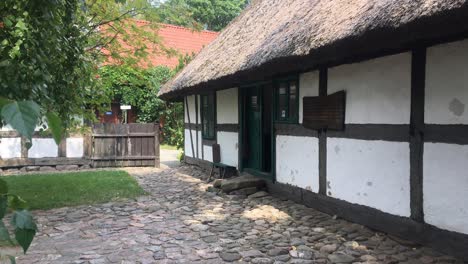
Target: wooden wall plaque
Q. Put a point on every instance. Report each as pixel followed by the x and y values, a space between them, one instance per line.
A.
pixel 324 112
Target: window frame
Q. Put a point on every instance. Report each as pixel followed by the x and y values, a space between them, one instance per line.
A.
pixel 213 115
pixel 288 81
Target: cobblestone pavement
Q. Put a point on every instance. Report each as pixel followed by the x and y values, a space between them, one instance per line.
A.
pixel 179 222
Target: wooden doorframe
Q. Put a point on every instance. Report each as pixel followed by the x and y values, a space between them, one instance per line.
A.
pixel 241 113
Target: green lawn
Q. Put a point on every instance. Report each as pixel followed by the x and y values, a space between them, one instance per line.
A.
pixel 45 191
pixel 169 147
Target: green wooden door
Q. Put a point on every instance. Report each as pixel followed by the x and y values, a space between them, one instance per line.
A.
pixel 254 127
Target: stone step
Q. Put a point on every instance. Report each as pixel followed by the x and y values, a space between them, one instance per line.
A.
pixel 242 182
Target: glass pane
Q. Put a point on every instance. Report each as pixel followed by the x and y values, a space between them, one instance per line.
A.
pixel 283 88
pixel 292 88
pixel 282 107
pixel 208 116
pixel 292 106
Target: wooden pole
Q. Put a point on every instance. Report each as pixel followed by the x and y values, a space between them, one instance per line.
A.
pixel 156 145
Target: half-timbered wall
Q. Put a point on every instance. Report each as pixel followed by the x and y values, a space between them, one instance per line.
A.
pixel 301 170
pixel 364 170
pixel 403 150
pixel 227 120
pixel 297 161
pixel 445 180
pixel 226 128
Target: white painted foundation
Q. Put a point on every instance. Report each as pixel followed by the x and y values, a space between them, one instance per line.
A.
pixel 447 84
pixel 228 143
pixel 445 186
pixel 371 173
pixel 75 147
pixel 308 86
pixel 227 106
pixel 297 161
pixel 378 91
pixel 10 148
pixel 43 148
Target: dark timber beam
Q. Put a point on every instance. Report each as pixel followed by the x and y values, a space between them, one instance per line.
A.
pixel 322 134
pixel 418 77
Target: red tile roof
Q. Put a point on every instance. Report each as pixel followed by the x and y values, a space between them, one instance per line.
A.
pixel 183 40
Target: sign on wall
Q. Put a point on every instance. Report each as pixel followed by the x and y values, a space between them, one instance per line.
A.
pixel 324 112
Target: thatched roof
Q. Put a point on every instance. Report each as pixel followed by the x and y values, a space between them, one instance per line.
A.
pixel 273 37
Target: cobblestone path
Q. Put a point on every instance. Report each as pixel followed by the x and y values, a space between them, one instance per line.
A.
pixel 179 222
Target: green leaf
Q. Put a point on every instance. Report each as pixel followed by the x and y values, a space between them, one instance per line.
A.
pixel 4 234
pixel 3 187
pixel 24 237
pixel 12 259
pixel 16 203
pixel 23 219
pixel 3 205
pixel 55 125
pixel 4 101
pixel 23 116
pixel 25 228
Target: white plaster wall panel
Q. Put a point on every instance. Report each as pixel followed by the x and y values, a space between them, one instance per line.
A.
pixel 191 108
pixel 371 173
pixel 308 86
pixel 10 148
pixel 229 147
pixel 207 153
pixel 447 84
pixel 75 147
pixel 378 91
pixel 297 161
pixel 43 148
pixel 188 144
pixel 445 186
pixel 227 106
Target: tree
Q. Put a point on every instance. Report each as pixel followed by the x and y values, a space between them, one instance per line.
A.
pixel 208 14
pixel 50 52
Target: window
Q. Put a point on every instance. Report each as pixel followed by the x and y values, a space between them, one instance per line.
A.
pixel 208 116
pixel 287 101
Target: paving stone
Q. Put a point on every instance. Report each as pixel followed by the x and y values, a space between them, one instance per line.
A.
pixel 177 222
pixel 230 257
pixel 340 258
pixel 262 261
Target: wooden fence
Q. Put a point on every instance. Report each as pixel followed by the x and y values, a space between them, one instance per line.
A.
pixel 125 145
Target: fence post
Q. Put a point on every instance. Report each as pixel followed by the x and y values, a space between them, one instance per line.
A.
pixel 62 147
pixel 24 148
pixel 156 145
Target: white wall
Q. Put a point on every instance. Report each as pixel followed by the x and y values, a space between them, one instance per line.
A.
pixel 447 84
pixel 187 143
pixel 227 106
pixel 207 153
pixel 308 86
pixel 75 147
pixel 188 146
pixel 372 173
pixel 228 143
pixel 378 91
pixel 445 185
pixel 10 148
pixel 43 148
pixel 297 161
pixel 191 108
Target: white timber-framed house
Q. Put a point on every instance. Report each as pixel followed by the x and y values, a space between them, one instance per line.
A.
pixel 356 108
